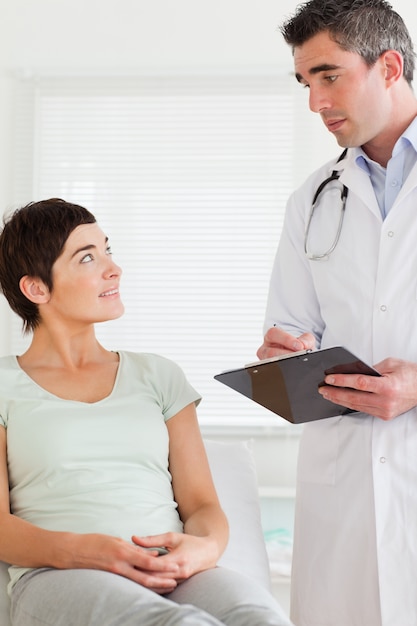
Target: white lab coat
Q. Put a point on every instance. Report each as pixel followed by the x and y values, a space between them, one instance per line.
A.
pixel 355 548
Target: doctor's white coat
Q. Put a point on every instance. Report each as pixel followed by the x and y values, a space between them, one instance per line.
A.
pixel 355 548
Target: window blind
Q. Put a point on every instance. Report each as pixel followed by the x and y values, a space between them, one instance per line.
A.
pixel 189 177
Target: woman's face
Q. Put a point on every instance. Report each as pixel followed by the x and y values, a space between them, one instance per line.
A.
pixel 85 279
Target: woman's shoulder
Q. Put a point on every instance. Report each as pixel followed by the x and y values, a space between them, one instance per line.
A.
pixel 8 359
pixel 148 360
pixel 162 374
pixel 8 364
pixel 11 375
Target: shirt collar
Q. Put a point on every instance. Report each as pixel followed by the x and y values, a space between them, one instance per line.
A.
pixel 408 138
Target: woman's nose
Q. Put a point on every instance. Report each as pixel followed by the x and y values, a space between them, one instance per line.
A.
pixel 113 269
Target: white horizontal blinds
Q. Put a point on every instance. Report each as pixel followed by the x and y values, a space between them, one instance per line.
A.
pixel 189 177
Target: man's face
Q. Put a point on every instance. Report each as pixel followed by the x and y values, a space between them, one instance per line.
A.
pixel 350 96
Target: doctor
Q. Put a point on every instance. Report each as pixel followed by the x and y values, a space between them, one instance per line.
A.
pixel 346 273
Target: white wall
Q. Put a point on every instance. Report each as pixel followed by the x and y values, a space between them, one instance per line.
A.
pixel 120 34
pixel 113 36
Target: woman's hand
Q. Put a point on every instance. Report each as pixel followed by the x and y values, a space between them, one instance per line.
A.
pixel 188 553
pixel 126 559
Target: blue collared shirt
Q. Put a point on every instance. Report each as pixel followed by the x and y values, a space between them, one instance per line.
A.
pixel 388 181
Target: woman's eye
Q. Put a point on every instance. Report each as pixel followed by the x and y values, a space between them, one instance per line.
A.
pixel 87 258
pixel 109 250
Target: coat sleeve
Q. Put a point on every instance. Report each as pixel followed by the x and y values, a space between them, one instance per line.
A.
pixel 292 300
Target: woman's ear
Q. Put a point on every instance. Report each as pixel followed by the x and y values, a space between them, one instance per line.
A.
pixel 34 289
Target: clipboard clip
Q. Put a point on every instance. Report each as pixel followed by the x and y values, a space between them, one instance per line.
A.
pixel 280 357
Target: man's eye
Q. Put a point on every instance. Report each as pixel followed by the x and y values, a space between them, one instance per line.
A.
pixel 331 79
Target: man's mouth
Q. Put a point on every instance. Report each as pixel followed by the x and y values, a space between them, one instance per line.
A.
pixel 334 125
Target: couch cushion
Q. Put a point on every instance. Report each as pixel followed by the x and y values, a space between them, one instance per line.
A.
pixel 234 474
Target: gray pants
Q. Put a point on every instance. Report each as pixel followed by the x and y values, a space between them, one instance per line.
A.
pixel 97 598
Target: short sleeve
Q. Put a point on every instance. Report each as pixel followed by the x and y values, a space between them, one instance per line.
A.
pixel 176 392
pixel 166 378
pixel 4 419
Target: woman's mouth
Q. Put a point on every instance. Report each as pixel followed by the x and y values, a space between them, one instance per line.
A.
pixel 110 292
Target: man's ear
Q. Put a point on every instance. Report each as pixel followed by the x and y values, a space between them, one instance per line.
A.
pixel 393 65
pixel 34 289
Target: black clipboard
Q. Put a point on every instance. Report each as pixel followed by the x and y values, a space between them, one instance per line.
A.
pixel 287 385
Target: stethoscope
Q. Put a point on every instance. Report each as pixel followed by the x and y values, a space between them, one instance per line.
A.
pixel 334 176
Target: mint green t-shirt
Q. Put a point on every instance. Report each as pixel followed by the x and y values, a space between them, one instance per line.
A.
pixel 99 467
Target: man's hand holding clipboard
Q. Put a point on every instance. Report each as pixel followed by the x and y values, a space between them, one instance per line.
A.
pixel 288 384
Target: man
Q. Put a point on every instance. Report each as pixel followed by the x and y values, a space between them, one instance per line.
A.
pixel 349 277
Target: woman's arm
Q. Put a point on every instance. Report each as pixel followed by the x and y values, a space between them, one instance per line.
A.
pixel 193 485
pixel 205 525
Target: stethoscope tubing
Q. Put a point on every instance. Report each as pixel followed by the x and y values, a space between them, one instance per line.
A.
pixel 343 197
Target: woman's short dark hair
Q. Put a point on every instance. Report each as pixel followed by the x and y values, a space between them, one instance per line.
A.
pixel 31 240
pixel 367 27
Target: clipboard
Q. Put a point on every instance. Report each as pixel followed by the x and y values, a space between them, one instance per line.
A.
pixel 287 385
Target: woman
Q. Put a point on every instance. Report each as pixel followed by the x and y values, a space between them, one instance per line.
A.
pixel 101 454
